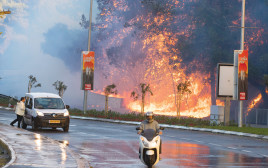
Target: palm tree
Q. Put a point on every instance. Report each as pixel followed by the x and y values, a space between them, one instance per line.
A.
pixel 110 89
pixel 183 88
pixel 144 89
pixel 60 87
pixel 265 77
pixel 32 81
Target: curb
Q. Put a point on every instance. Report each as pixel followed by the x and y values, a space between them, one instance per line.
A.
pixel 10 150
pixel 6 108
pixel 177 127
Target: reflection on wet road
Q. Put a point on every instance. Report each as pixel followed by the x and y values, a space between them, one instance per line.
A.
pixel 107 145
pixel 175 154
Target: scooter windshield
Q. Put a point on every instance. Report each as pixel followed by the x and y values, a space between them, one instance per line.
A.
pixel 149 134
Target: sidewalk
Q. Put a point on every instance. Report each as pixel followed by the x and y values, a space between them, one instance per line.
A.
pixel 30 149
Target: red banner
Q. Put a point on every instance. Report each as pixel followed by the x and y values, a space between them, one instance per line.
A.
pixel 243 75
pixel 87 70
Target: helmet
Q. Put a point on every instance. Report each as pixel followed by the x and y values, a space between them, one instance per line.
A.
pixel 149 116
pixel 149 113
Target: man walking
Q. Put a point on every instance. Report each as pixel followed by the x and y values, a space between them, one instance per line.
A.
pixel 20 110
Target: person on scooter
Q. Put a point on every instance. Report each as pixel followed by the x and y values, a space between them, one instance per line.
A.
pixel 150 123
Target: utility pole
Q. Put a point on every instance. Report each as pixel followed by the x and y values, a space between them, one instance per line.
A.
pixel 89 38
pixel 240 114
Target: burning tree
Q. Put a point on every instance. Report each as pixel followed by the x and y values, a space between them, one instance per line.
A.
pixel 183 88
pixel 60 87
pixel 145 88
pixel 110 89
pixel 32 81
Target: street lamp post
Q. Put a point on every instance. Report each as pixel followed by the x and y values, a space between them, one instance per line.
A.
pixel 89 38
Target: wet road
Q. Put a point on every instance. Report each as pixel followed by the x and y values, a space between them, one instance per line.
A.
pixel 107 145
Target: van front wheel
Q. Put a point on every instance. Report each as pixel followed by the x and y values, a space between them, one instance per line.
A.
pixel 34 125
pixel 66 128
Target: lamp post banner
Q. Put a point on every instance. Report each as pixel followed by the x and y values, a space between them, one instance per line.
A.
pixel 243 75
pixel 87 80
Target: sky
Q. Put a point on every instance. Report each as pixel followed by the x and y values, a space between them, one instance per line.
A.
pixel 26 47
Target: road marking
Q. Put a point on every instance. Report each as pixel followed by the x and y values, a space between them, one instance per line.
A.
pixel 72 125
pixel 214 144
pixel 232 148
pixel 199 141
pixel 246 151
pixel 169 136
pixel 186 139
pixel 4 119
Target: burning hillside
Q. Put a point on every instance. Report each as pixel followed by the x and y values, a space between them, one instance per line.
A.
pixel 164 43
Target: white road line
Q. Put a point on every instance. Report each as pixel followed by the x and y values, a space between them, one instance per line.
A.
pixel 4 119
pixel 72 125
pixel 246 151
pixel 214 144
pixel 186 139
pixel 232 148
pixel 170 136
pixel 199 141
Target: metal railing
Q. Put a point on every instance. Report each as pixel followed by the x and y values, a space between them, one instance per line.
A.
pixel 258 117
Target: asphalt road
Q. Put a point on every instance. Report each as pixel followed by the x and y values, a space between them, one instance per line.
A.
pixel 107 145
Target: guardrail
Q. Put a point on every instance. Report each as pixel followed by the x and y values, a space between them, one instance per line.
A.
pixel 258 117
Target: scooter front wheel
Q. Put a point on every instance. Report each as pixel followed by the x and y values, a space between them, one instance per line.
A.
pixel 150 161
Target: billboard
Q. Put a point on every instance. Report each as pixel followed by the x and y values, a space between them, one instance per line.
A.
pixel 241 74
pixel 225 80
pixel 87 77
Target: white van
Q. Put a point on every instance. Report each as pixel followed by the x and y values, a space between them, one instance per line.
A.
pixel 45 110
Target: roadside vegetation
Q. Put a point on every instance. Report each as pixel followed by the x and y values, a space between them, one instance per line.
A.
pixel 4 157
pixel 189 121
pixel 140 117
pixel 7 101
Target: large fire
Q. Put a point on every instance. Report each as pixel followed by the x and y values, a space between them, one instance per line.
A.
pixel 143 49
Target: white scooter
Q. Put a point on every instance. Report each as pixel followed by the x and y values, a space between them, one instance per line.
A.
pixel 149 147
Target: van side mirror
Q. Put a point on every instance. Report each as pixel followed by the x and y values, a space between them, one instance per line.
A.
pixel 67 106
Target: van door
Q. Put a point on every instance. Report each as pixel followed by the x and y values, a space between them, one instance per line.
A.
pixel 28 111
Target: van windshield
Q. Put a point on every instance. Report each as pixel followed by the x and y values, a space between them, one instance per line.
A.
pixel 48 103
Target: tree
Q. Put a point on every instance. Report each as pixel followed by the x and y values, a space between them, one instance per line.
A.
pixel 183 88
pixel 144 89
pixel 60 87
pixel 32 83
pixel 110 89
pixel 265 77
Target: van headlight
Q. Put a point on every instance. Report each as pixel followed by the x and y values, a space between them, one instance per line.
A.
pixel 66 113
pixel 39 113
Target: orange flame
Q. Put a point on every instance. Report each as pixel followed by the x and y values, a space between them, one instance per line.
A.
pixel 255 101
